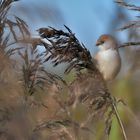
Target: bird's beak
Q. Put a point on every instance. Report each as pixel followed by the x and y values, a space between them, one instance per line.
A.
pixel 98 43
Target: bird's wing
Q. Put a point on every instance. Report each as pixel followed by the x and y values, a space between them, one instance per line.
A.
pixel 65 47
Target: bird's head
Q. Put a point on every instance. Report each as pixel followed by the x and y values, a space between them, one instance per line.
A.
pixel 106 42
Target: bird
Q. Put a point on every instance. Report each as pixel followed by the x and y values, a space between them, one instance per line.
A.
pixel 108 59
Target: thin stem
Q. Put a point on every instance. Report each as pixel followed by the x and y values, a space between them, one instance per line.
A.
pixel 129 44
pixel 119 120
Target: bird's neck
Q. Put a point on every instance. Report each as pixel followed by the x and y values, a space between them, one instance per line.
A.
pixel 108 46
pixel 108 54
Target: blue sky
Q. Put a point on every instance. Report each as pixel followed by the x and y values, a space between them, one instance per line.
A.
pixel 88 19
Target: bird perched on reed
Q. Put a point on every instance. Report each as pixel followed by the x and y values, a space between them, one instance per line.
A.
pixel 90 86
pixel 108 57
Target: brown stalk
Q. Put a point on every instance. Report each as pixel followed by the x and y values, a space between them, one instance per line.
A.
pixel 118 118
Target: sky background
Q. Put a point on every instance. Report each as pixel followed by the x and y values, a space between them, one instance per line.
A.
pixel 88 19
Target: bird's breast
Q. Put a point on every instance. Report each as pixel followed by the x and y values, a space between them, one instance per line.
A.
pixel 109 63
